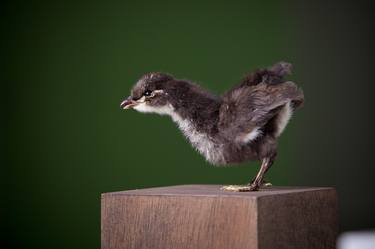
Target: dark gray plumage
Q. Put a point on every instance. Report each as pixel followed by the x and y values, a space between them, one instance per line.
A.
pixel 241 125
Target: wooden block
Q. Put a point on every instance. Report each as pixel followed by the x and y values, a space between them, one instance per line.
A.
pixel 205 217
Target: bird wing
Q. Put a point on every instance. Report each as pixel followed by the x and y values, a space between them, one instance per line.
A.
pixel 246 109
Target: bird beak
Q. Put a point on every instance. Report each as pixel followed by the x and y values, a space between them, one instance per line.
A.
pixel 128 103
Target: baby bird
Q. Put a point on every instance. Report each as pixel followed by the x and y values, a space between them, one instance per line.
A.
pixel 241 125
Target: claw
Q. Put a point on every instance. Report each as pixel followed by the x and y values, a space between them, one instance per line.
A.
pixel 266 184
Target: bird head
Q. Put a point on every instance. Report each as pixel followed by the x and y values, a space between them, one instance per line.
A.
pixel 149 94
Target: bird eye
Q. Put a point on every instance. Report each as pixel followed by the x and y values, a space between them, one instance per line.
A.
pixel 147 93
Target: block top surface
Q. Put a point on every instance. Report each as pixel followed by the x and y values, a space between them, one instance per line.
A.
pixel 214 191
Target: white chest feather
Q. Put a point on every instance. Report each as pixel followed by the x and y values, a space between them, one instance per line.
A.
pixel 200 141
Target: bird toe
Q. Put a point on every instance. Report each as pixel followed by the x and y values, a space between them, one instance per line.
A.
pixel 237 188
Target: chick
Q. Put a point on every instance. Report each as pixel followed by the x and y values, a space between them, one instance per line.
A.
pixel 241 125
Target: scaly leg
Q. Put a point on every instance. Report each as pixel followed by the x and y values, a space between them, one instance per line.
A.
pixel 265 183
pixel 256 183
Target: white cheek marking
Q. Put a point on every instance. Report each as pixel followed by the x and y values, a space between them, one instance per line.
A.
pixel 163 110
pixel 142 99
pixel 157 92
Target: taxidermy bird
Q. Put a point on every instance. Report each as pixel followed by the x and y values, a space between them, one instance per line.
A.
pixel 241 125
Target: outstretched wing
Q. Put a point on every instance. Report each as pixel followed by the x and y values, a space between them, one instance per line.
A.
pixel 247 109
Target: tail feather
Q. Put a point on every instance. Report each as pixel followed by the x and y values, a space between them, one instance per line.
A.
pixel 272 75
pixel 282 68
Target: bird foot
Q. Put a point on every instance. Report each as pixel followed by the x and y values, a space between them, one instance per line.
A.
pixel 240 188
pixel 253 186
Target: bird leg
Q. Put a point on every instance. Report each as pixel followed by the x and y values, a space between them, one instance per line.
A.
pixel 256 183
pixel 264 183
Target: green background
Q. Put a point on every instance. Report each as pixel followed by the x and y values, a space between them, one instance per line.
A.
pixel 65 67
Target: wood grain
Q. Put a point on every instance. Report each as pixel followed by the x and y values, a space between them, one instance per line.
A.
pixel 203 216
